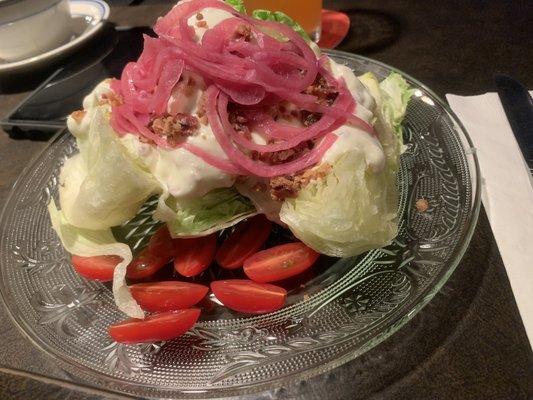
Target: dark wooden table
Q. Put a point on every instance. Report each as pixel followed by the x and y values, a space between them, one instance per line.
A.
pixel 469 342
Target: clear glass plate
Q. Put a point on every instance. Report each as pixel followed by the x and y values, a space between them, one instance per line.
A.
pixel 342 309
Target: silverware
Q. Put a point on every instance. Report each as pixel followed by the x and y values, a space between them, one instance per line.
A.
pixel 518 107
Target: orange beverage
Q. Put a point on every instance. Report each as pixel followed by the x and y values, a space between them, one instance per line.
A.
pixel 305 12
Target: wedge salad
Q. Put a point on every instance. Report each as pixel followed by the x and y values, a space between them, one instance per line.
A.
pixel 235 123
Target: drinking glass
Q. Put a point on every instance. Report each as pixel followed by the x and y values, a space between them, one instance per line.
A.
pixel 306 12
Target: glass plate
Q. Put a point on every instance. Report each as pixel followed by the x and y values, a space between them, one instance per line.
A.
pixel 337 314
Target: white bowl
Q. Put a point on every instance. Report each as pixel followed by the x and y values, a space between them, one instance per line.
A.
pixel 31 27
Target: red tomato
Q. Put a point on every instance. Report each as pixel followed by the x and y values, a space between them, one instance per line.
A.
pixel 279 262
pixel 164 326
pixel 161 243
pixel 97 267
pixel 249 297
pixel 245 240
pixel 195 255
pixel 167 296
pixel 145 265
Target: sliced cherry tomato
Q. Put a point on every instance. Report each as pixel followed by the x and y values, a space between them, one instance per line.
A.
pixel 161 243
pixel 168 295
pixel 245 240
pixel 279 262
pixel 100 268
pixel 248 296
pixel 195 255
pixel 164 326
pixel 146 264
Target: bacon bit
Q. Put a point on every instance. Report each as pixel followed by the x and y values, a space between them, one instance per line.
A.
pixel 144 139
pixel 110 98
pixel 201 24
pixel 238 120
pixel 282 156
pixel 202 107
pixel 308 118
pixel 175 128
pixel 199 16
pixel 422 205
pixel 78 115
pixel 288 186
pixel 243 31
pixel 325 94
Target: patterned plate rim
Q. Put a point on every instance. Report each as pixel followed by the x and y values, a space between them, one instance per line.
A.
pixel 129 388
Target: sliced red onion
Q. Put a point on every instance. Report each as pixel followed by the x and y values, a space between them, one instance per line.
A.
pixel 253 71
pixel 259 168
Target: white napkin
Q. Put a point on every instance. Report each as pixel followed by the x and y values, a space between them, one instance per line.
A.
pixel 507 191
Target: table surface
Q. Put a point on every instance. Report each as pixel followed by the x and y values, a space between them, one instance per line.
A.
pixel 469 342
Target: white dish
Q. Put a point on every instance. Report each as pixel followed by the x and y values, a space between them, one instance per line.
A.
pixel 31 28
pixel 88 17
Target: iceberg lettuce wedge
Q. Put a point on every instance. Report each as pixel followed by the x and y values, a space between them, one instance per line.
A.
pixel 102 186
pixel 357 206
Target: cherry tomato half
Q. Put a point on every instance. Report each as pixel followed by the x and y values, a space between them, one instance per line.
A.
pixel 161 243
pixel 248 296
pixel 168 295
pixel 146 264
pixel 245 240
pixel 100 268
pixel 195 255
pixel 279 262
pixel 164 326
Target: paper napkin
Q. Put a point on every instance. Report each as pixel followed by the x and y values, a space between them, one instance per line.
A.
pixel 507 191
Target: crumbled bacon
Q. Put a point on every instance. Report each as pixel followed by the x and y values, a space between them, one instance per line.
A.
pixel 244 32
pixel 199 16
pixel 308 118
pixel 201 111
pixel 203 119
pixel 175 128
pixel 238 120
pixel 110 98
pixel 422 205
pixel 78 115
pixel 325 94
pixel 201 24
pixel 288 186
pixel 283 156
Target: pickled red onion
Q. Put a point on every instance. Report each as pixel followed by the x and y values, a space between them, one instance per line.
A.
pixel 241 62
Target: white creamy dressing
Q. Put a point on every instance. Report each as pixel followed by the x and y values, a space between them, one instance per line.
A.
pixel 185 175
pixel 212 17
pixel 352 137
pixel 90 102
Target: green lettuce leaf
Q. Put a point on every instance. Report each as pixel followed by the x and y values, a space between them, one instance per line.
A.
pixel 283 18
pixel 218 209
pixel 392 96
pixel 238 5
pixel 87 243
pixel 103 185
